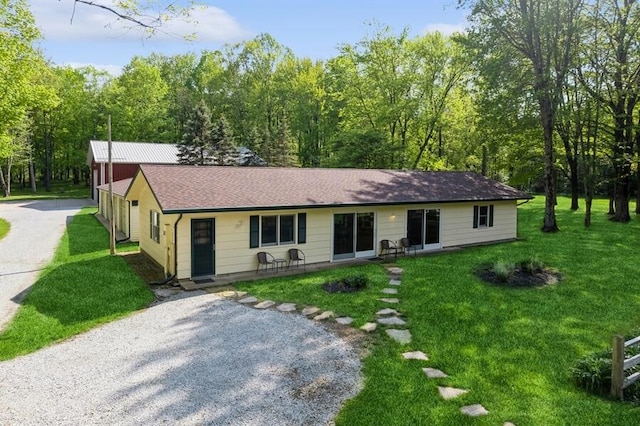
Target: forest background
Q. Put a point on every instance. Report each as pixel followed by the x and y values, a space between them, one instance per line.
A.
pixel 540 94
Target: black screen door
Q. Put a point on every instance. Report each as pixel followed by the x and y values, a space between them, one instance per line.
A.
pixel 202 247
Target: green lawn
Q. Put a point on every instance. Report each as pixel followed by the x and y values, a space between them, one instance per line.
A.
pixel 82 287
pixel 58 190
pixel 4 228
pixel 511 348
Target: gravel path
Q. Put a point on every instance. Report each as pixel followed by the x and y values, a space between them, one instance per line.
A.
pixel 36 229
pixel 191 360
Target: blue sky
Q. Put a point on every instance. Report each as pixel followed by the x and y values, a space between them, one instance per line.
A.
pixel 310 28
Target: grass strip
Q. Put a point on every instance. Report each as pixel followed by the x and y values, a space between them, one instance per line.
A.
pixel 82 287
pixel 5 226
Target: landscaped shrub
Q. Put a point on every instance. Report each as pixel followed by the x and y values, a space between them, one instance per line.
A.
pixel 348 284
pixel 503 270
pixel 532 265
pixel 593 373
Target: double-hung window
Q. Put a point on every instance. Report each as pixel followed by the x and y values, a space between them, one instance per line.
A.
pixel 273 230
pixel 155 226
pixel 483 216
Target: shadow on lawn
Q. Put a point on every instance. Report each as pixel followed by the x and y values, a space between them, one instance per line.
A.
pixel 86 291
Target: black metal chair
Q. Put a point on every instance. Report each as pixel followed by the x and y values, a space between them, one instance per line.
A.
pixel 388 247
pixel 407 246
pixel 297 255
pixel 265 261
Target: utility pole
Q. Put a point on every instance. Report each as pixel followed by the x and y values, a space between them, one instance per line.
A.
pixel 112 223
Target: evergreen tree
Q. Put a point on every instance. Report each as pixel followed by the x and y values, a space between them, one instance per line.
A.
pixel 223 146
pixel 197 144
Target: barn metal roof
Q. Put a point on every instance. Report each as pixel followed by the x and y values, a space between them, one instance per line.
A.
pixel 133 152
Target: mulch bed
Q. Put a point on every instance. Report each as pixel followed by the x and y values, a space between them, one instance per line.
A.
pixel 520 278
pixel 147 269
pixel 339 287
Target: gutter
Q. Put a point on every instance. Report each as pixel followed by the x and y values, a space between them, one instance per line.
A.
pixel 175 246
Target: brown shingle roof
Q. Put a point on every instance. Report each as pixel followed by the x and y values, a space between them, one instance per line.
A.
pixel 118 187
pixel 188 188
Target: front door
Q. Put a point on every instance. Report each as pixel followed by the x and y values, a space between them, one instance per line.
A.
pixel 202 247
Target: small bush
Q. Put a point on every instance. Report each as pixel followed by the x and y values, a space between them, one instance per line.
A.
pixel 359 281
pixel 532 265
pixel 593 373
pixel 503 270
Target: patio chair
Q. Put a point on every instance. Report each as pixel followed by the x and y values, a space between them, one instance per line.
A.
pixel 407 246
pixel 388 247
pixel 265 261
pixel 297 255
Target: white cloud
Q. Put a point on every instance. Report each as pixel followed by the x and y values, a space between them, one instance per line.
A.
pixel 446 29
pixel 210 24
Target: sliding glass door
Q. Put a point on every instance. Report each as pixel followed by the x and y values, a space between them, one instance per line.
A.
pixel 423 228
pixel 353 235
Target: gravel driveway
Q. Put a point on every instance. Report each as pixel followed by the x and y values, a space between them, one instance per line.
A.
pixel 190 360
pixel 36 229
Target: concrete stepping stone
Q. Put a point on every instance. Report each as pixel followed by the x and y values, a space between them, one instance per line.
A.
pixel 286 307
pixel 310 310
pixel 508 424
pixel 387 311
pixel 265 304
pixel 395 270
pixel 391 321
pixel 323 316
pixel 434 373
pixel 369 327
pixel 450 393
pixel 393 281
pixel 401 336
pixel 389 300
pixel 344 320
pixel 390 291
pixel 416 355
pixel 474 410
pixel 249 299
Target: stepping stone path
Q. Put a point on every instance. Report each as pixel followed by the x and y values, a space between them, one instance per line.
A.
pixel 369 327
pixel 310 310
pixel 264 305
pixel 419 355
pixel 287 307
pixel 434 373
pixel 344 320
pixel 323 316
pixel 386 316
pixel 451 393
pixel 474 410
pixel 391 321
pixel 401 336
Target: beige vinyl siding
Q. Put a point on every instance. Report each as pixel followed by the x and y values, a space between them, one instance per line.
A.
pixel 134 223
pixel 456 224
pixel 157 251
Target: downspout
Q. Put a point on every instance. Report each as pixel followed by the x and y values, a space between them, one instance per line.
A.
pixel 175 245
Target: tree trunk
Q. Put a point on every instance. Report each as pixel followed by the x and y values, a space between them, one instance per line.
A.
pixel 32 177
pixel 546 114
pixel 587 212
pixel 6 188
pixel 621 200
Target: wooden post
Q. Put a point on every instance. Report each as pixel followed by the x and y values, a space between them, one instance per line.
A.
pixel 112 222
pixel 617 368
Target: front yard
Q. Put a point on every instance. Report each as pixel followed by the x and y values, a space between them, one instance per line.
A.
pixel 511 348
